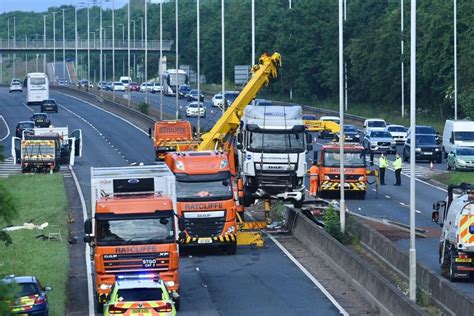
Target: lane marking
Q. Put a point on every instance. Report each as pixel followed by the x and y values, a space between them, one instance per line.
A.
pixel 113 114
pixel 418 211
pixel 309 275
pixel 90 293
pixel 28 107
pixel 8 128
pixel 388 196
pixel 403 204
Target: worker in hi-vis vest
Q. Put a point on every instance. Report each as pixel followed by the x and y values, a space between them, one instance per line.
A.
pixel 313 179
pixel 397 165
pixel 383 164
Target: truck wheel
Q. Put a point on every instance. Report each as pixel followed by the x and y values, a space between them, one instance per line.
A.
pixel 298 204
pixel 177 303
pixel 231 248
pixel 451 275
pixel 100 308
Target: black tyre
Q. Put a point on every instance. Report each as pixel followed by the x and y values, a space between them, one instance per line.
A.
pixel 230 249
pixel 451 273
pixel 177 303
pixel 100 308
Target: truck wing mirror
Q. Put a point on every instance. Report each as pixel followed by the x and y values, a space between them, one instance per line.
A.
pixel 240 146
pixel 88 226
pixel 315 155
pixel 87 239
pixel 451 140
pixel 309 138
pixel 240 138
pixel 435 217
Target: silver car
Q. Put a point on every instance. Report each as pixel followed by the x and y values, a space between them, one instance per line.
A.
pixel 379 141
pixel 461 158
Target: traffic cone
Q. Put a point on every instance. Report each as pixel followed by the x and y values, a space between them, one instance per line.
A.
pixel 431 165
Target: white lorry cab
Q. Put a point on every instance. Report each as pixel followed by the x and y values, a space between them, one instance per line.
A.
pixel 272 147
pixel 37 88
pixel 458 133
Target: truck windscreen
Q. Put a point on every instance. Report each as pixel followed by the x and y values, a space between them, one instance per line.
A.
pixel 464 136
pixel 132 230
pixel 204 191
pixel 351 159
pixel 276 142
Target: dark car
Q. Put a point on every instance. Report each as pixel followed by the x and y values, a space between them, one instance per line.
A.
pixel 351 134
pixel 41 120
pixel 183 90
pixel 193 95
pixel 24 126
pixel 49 105
pixel 133 86
pixel 31 298
pixel 425 130
pixel 426 148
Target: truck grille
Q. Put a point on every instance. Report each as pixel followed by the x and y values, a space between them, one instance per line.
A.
pixel 383 143
pixel 348 177
pixel 275 178
pixel 122 263
pixel 205 227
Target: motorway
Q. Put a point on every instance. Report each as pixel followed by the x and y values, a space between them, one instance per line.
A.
pixel 254 281
pixel 390 202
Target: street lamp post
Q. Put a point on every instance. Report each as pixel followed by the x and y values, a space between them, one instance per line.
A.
pixel 223 56
pixel 198 68
pixel 113 44
pixel 134 53
pixel 455 22
pixel 177 61
pixel 412 251
pixel 141 26
pixel 161 60
pixel 14 45
pixel 100 44
pixel 64 48
pixel 75 40
pixel 402 66
pixel 146 51
pixel 342 203
pixel 44 43
pixel 128 47
pixel 123 44
pixel 88 49
pixel 253 35
pixel 54 44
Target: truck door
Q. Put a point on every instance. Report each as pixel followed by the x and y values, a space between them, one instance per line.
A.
pixel 72 147
pixel 77 134
pixel 16 150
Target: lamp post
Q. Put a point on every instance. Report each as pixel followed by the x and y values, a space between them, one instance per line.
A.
pixel 75 40
pixel 412 251
pixel 198 68
pixel 54 44
pixel 223 56
pixel 455 22
pixel 342 209
pixel 146 51
pixel 402 65
pixel 88 49
pixel 161 60
pixel 177 61
pixel 123 44
pixel 64 48
pixel 134 55
pixel 14 45
pixel 128 46
pixel 253 34
pixel 44 43
pixel 113 44
pixel 142 35
pixel 100 44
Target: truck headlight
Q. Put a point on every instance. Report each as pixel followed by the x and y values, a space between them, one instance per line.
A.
pixel 169 283
pixel 223 164
pixel 104 287
pixel 361 178
pixel 436 149
pixel 179 165
pixel 417 149
pixel 326 178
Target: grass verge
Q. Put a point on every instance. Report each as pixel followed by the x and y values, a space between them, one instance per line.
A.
pixel 40 198
pixel 455 177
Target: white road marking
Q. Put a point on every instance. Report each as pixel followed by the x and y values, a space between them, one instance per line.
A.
pixel 374 190
pixel 88 250
pixel 310 276
pixel 388 196
pixel 418 211
pixel 8 128
pixel 403 204
pixel 28 107
pixel 113 114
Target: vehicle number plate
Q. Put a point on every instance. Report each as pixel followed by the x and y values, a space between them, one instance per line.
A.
pixel 463 260
pixel 205 241
pixel 149 263
pixel 427 153
pixel 139 311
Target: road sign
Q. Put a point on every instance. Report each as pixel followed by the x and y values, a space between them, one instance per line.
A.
pixel 241 74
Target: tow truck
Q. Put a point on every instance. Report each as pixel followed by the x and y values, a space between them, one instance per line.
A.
pixel 171 136
pixel 133 228
pixel 45 149
pixel 206 202
pixel 355 167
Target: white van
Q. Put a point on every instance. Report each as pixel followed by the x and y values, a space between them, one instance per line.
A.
pixel 125 81
pixel 457 133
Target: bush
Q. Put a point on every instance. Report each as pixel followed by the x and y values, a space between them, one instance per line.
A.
pixel 143 107
pixel 332 226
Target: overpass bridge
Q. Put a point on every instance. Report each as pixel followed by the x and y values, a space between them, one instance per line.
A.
pixel 42 47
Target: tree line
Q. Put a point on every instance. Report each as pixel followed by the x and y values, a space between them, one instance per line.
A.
pixel 307 37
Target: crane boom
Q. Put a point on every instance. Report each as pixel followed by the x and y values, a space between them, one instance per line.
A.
pixel 229 122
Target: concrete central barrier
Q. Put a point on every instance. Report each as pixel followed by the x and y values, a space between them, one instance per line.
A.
pixel 361 274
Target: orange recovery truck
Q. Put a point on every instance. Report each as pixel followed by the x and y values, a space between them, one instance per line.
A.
pixel 355 167
pixel 133 229
pixel 205 198
pixel 171 136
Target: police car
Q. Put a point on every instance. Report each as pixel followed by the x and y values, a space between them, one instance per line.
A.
pixel 140 295
pixel 30 298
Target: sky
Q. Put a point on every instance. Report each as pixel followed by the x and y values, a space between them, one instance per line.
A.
pixel 43 5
